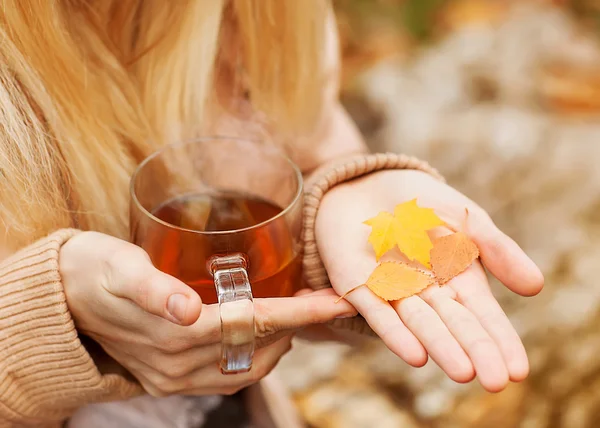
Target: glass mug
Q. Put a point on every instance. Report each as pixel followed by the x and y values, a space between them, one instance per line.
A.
pixel 224 216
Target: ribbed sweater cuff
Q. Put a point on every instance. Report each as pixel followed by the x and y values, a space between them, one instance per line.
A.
pixel 323 180
pixel 45 371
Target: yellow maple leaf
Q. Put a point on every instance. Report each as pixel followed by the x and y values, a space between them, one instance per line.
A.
pixel 407 228
pixel 396 280
pixel 383 233
pixel 414 222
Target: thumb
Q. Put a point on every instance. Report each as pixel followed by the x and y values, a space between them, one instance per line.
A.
pixel 173 300
pixel 159 294
pixel 503 257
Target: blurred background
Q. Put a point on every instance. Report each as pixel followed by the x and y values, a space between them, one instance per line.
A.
pixel 503 97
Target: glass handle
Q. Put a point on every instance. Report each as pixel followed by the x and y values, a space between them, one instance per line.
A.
pixel 236 308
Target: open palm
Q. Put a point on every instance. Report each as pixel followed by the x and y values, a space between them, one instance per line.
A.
pixel 460 325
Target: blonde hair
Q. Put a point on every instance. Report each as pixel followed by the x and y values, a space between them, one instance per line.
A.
pixel 90 87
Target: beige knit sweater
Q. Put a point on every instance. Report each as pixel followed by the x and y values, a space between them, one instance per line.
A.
pixel 46 373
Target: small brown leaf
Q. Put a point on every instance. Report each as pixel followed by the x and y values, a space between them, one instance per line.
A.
pixel 452 255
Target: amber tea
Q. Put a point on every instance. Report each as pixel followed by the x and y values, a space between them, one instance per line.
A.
pixel 277 274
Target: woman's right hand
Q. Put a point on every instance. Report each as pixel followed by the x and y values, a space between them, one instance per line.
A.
pixel 151 323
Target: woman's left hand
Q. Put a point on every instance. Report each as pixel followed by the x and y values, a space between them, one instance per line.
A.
pixel 460 325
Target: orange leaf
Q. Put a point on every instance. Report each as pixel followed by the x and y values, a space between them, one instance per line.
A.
pixel 396 280
pixel 452 255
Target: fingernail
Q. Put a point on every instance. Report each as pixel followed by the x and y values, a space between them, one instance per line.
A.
pixel 177 306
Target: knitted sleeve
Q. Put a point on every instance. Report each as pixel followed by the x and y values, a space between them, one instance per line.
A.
pixel 45 371
pixel 320 182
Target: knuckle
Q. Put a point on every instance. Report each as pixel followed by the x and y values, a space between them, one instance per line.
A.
pixel 174 370
pixel 161 384
pixel 167 387
pixel 313 314
pixel 264 328
pixel 169 345
pixel 155 386
pixel 263 325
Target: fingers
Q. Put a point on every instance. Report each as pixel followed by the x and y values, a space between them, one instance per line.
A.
pixel 503 256
pixel 443 348
pixel 177 365
pixel 265 360
pixel 306 292
pixel 475 295
pixel 134 278
pixel 209 379
pixel 474 339
pixel 384 321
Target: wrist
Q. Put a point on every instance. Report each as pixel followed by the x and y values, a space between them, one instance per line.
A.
pixel 70 263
